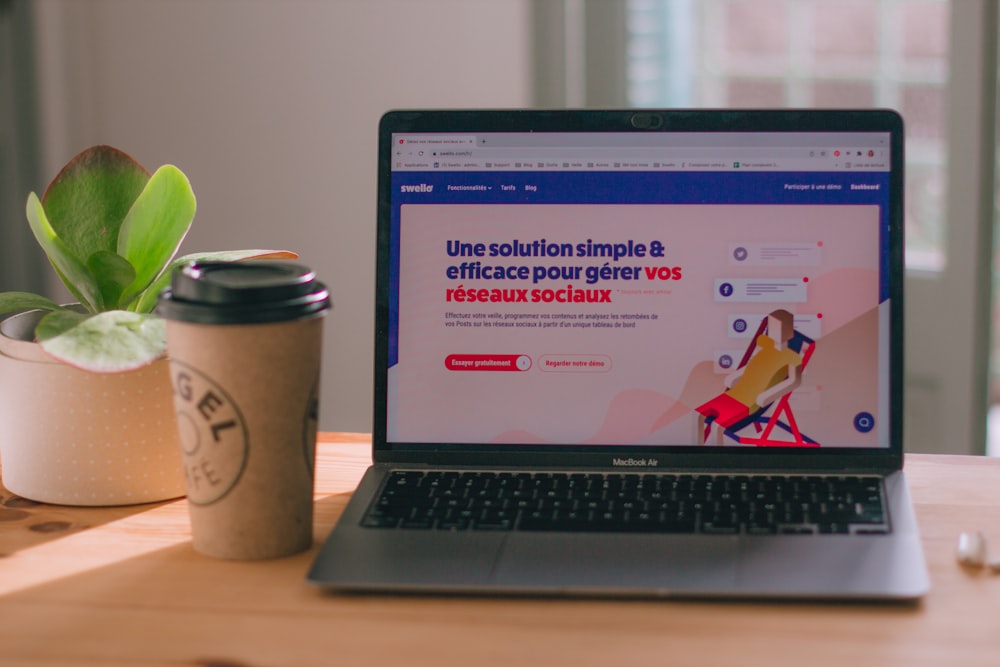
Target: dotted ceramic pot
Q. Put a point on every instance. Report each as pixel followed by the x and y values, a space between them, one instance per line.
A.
pixel 72 437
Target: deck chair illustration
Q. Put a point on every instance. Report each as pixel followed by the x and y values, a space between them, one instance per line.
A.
pixel 758 392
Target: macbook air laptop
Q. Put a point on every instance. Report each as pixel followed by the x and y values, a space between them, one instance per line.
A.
pixel 650 353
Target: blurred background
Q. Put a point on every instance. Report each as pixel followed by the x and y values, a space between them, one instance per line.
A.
pixel 271 108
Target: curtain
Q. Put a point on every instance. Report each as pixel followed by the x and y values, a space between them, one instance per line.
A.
pixel 22 264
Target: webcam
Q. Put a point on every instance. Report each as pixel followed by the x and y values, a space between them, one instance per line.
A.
pixel 646 120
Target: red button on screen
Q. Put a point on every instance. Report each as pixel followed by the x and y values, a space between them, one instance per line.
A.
pixel 487 362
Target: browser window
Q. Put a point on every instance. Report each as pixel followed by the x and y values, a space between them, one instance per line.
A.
pixel 608 288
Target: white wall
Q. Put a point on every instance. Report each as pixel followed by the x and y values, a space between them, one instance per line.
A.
pixel 271 108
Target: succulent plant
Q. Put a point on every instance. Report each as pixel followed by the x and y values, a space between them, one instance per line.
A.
pixel 111 231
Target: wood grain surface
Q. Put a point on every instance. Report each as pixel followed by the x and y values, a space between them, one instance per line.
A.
pixel 122 586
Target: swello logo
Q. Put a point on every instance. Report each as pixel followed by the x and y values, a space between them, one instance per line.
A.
pixel 423 187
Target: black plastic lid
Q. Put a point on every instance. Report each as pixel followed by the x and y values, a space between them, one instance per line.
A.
pixel 247 292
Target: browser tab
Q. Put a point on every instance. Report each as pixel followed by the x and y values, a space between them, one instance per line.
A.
pixel 443 140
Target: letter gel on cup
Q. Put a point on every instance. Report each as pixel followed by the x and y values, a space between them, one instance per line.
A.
pixel 244 341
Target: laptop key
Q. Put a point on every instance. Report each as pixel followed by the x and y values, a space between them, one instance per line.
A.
pixel 374 521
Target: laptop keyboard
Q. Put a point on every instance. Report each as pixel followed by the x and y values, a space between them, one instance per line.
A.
pixel 639 502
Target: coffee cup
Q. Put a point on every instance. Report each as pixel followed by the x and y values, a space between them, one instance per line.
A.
pixel 244 341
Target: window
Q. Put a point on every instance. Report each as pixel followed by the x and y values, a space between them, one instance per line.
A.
pixel 809 53
pixel 934 60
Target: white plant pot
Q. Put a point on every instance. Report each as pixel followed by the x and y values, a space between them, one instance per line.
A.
pixel 72 437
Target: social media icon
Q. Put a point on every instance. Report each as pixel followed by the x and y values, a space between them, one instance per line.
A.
pixel 864 422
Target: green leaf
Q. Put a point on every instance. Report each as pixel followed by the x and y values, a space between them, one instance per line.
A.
pixel 58 322
pixel 16 301
pixel 89 199
pixel 147 301
pixel 155 226
pixel 114 274
pixel 111 342
pixel 73 272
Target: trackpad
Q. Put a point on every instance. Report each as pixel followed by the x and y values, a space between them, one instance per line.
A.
pixel 617 562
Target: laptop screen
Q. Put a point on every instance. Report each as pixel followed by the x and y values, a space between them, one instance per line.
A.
pixel 703 283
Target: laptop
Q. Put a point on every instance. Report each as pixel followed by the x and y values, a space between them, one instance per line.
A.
pixel 636 353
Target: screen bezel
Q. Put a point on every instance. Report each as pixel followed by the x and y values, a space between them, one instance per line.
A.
pixel 668 456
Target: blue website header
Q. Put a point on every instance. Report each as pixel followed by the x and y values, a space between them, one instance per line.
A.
pixel 640 188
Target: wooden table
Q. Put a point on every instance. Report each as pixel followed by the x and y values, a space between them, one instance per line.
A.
pixel 122 586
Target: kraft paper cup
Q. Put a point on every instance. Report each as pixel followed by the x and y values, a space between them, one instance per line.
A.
pixel 244 350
